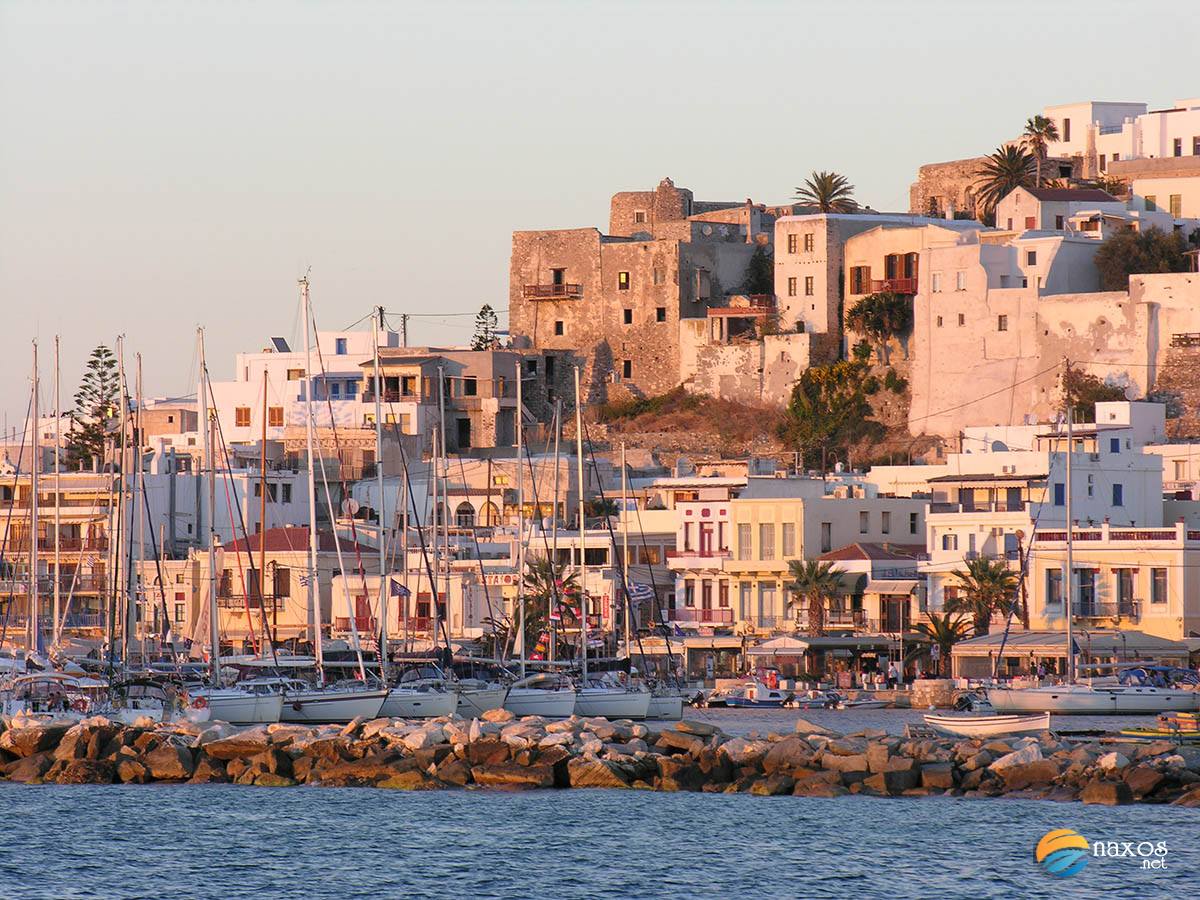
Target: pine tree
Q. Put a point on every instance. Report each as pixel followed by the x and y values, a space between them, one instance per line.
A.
pixel 95 407
pixel 486 324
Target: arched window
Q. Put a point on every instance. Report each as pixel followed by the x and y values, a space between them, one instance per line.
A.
pixel 491 515
pixel 464 516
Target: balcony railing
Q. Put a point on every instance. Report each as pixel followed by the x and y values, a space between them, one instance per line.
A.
pixel 718 616
pixel 363 624
pixel 700 554
pixel 552 291
pixel 1108 609
pixel 894 285
pixel 241 601
pixel 389 396
pixel 984 506
pixel 416 623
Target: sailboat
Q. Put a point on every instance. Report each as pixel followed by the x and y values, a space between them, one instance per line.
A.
pixel 1074 698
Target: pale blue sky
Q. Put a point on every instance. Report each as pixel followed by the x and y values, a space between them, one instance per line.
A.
pixel 164 165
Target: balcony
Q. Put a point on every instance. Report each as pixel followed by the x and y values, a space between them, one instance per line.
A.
pixel 390 396
pixel 552 291
pixel 362 624
pixel 421 624
pixel 696 555
pixel 993 506
pixel 242 601
pixel 893 285
pixel 1108 609
pixel 690 614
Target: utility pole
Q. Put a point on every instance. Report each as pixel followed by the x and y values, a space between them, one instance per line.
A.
pixel 404 329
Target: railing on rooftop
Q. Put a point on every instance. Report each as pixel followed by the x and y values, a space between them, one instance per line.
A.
pixel 1186 339
pixel 552 291
pixel 894 285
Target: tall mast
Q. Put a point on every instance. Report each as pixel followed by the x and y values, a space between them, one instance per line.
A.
pixel 625 545
pixel 521 525
pixel 554 598
pixel 1070 537
pixel 214 624
pixel 262 520
pixel 376 324
pixel 33 516
pixel 583 598
pixel 138 500
pixel 314 594
pixel 56 629
pixel 445 495
pixel 434 512
pixel 126 512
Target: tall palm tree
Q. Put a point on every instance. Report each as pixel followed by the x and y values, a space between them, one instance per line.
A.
pixel 829 192
pixel 987 587
pixel 540 585
pixel 943 632
pixel 1039 132
pixel 1002 172
pixel 814 583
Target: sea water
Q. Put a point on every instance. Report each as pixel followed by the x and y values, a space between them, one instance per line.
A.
pixel 311 843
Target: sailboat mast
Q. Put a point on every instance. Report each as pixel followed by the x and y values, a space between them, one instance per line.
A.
pixel 314 595
pixel 554 598
pixel 384 587
pixel 445 473
pixel 126 533
pixel 521 526
pixel 33 514
pixel 56 628
pixel 625 545
pixel 138 500
pixel 262 520
pixel 214 625
pixel 1070 610
pixel 583 598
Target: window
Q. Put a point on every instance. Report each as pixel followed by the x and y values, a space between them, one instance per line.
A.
pixel 558 327
pixel 1002 323
pixel 627 368
pixel 789 539
pixel 627 316
pixel 912 523
pixel 1031 258
pixel 1151 203
pixel 179 578
pixel 287 493
pixel 170 420
pixel 860 279
pixel 1196 145
pixel 1118 495
pixel 703 285
pixel 826 537
pixel 949 541
pixel 1158 585
pixel 960 281
pixel 639 217
pixel 351 388
pixel 808 285
pixel 864 522
pixel 660 276
pixel 335 389
pixel 1177 147
pixel 295 374
pixel 339 346
pixel 935 282
pixel 275 416
pixel 1059 223
pixel 1116 157
pixel 1060 494
pixel 885 522
pixel 743 539
pixel 660 314
pixel 1114 445
pixel 793 241
pixel 622 281
pixel 689 593
pixel 962 320
pixel 791 286
pixel 1030 223
pixel 1009 225
pixel 808 242
pixel 180 611
pixel 1176 202
pixel 939 321
pixel 1087 591
pixel 558 276
pixel 241 417
pixel 1054 587
pixel 470 386
pixel 1124 578
pixel 1066 130
pixel 1102 162
pixel 723 594
pixel 766 540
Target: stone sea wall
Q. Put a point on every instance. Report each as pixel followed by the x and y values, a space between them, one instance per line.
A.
pixel 501 752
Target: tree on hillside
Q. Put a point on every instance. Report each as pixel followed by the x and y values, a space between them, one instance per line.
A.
pixel 95 408
pixel 814 584
pixel 1001 173
pixel 1039 133
pixel 486 324
pixel 829 192
pixel 760 273
pixel 1083 391
pixel 881 317
pixel 829 410
pixel 1130 252
pixel 986 587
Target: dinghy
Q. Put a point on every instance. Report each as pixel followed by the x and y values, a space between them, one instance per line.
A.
pixel 988 726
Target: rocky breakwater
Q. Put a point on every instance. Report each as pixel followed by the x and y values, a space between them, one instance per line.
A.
pixel 499 751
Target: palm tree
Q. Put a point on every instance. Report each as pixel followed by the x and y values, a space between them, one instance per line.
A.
pixel 881 317
pixel 987 587
pixel 1039 132
pixel 943 632
pixel 1002 172
pixel 540 585
pixel 829 192
pixel 814 583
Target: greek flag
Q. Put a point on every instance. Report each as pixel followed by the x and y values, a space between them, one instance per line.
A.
pixel 305 578
pixel 639 593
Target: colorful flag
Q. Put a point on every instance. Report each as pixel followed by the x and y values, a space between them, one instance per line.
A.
pixel 398 590
pixel 639 593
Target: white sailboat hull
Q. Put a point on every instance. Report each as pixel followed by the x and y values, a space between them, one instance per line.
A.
pixel 989 726
pixel 537 702
pixel 243 708
pixel 331 707
pixel 1080 699
pixel 665 706
pixel 474 702
pixel 612 703
pixel 402 703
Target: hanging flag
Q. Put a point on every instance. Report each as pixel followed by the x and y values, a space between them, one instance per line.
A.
pixel 305 578
pixel 639 593
pixel 396 589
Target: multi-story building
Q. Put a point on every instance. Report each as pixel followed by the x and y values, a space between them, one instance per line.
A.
pixel 1101 133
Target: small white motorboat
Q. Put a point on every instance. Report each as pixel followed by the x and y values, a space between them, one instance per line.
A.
pixel 988 726
pixel 550 696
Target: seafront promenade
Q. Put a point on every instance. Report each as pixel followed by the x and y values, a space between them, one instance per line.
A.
pixel 502 752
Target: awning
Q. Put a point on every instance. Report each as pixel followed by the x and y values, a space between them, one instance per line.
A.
pixel 1127 644
pixel 891 586
pixel 798 646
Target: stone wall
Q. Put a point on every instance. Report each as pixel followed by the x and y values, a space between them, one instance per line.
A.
pixel 945 188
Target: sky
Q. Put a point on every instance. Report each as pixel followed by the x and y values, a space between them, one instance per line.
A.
pixel 167 165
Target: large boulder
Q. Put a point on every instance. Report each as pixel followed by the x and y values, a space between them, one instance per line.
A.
pixel 773 785
pixel 938 775
pixel 407 781
pixel 130 771
pixel 1142 780
pixel 454 771
pixel 596 773
pixel 30 739
pixel 28 769
pixel 1191 799
pixel 1112 761
pixel 169 763
pixel 679 741
pixel 786 755
pixel 892 782
pixel 1107 793
pixel 700 729
pixel 498 715
pixel 208 771
pixel 1024 756
pixel 837 763
pixel 511 775
pixel 679 773
pixel 360 772
pixel 488 752
pixel 817 787
pixel 1039 773
pixel 744 752
pixel 244 744
pixel 87 771
pixel 805 727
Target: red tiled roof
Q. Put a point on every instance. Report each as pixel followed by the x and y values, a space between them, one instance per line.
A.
pixel 1093 195
pixel 869 550
pixel 284 540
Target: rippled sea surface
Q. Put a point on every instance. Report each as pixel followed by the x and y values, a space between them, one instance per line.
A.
pixel 224 841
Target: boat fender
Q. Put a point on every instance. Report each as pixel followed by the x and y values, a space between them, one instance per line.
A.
pixel 200 703
pixel 297 706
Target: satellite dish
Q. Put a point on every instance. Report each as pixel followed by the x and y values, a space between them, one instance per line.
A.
pixel 350 506
pixel 706 230
pixel 1131 392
